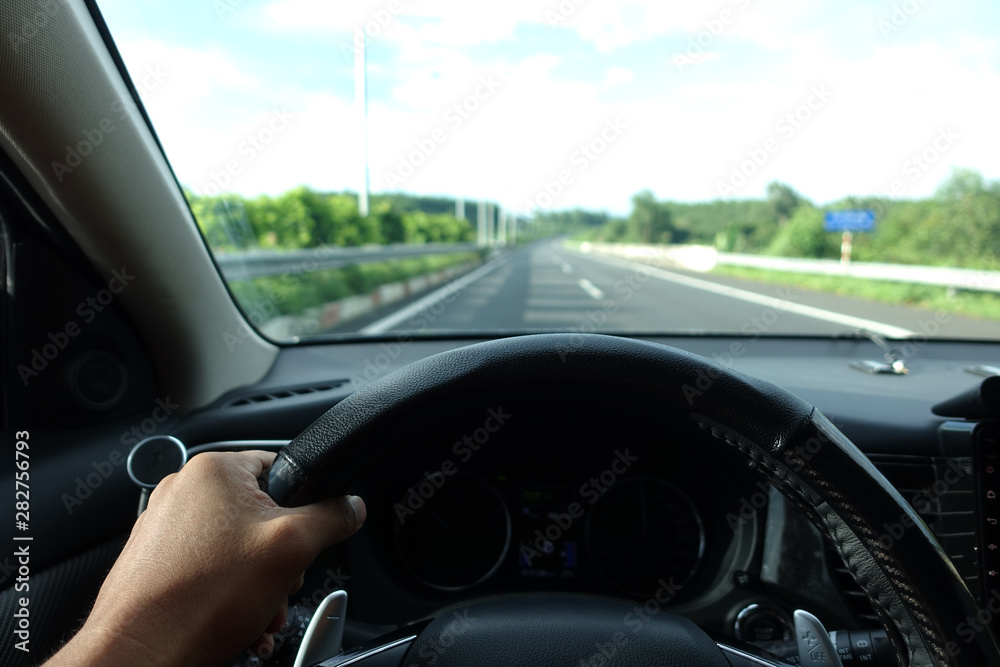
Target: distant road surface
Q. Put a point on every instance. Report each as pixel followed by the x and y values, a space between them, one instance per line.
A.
pixel 544 287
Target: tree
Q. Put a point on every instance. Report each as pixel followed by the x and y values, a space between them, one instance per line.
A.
pixel 783 199
pixel 222 220
pixel 650 221
pixel 972 209
pixel 803 236
pixel 390 223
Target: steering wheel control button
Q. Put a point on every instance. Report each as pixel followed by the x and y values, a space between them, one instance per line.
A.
pixel 154 458
pixel 322 639
pixel 763 623
pixel 816 649
pixel 296 622
pixel 860 647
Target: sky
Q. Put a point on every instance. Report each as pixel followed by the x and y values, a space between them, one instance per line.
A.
pixel 569 103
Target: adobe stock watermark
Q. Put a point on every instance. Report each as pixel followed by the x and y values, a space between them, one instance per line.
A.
pixel 929 328
pixel 223 8
pixel 563 11
pixel 582 158
pixel 7 569
pixel 634 621
pixel 916 165
pixel 87 484
pixel 59 340
pixel 749 506
pixel 753 327
pixel 714 28
pixel 35 23
pixel 431 652
pixel 922 501
pixel 765 321
pixel 626 288
pixel 265 308
pixel 377 22
pixel 899 16
pixel 590 491
pixel 795 458
pixel 382 363
pixel 335 580
pixel 787 126
pixel 463 449
pixel 92 138
pixel 971 626
pixel 91 481
pixel 247 151
pixel 377 366
pixel 453 118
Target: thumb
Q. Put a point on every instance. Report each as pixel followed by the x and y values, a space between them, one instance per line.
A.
pixel 333 519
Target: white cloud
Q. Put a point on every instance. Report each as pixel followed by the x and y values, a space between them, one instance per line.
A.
pixel 682 60
pixel 686 131
pixel 617 76
pixel 322 15
pixel 190 96
pixel 188 74
pixel 609 24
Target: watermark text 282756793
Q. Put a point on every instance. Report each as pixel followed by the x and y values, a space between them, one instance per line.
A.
pixel 22 551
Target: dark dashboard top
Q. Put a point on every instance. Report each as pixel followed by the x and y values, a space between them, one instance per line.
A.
pixel 880 413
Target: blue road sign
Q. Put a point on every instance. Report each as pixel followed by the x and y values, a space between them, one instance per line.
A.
pixel 849 221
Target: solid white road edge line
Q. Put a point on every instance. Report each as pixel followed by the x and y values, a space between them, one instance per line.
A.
pixel 882 328
pixel 406 312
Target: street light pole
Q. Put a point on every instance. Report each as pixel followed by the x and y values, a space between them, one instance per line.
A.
pixel 361 100
pixel 481 224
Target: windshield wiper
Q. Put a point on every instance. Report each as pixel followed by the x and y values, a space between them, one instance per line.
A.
pixel 894 363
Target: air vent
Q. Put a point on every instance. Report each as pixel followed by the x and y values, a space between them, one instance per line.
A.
pixel 947 508
pixel 286 392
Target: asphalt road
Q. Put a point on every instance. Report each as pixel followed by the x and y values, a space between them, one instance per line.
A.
pixel 544 287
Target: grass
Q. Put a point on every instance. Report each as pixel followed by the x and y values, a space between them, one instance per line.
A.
pixel 291 294
pixel 983 305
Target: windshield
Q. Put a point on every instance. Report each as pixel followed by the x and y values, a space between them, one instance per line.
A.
pixel 427 167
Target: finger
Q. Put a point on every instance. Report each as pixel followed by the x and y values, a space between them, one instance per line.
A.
pixel 256 460
pixel 298 584
pixel 279 620
pixel 264 646
pixel 330 520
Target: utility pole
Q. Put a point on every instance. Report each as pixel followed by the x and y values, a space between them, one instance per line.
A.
pixel 361 100
pixel 502 226
pixel 481 224
pixel 489 224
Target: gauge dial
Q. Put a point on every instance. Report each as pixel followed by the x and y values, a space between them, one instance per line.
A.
pixel 645 532
pixel 453 537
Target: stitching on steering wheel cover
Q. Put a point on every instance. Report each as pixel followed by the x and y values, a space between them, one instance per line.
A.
pixel 904 611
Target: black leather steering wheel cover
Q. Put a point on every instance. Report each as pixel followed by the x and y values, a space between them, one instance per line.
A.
pixel 560 629
pixel 781 437
pixel 309 468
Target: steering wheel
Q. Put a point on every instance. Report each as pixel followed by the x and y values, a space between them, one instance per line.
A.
pixel 921 599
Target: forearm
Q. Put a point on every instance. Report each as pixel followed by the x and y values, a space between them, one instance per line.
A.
pixel 208 568
pixel 105 647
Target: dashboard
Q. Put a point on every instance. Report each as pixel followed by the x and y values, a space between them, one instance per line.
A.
pixel 590 493
pixel 568 495
pixel 585 492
